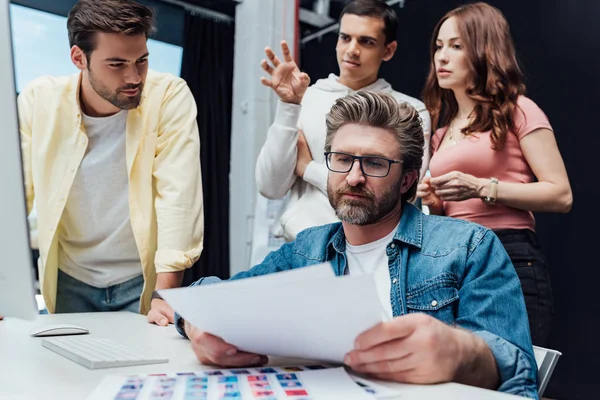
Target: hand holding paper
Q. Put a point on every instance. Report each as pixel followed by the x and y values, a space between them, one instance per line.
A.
pixel 212 350
pixel 418 348
pixel 304 313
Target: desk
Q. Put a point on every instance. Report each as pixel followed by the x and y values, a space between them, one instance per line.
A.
pixel 30 371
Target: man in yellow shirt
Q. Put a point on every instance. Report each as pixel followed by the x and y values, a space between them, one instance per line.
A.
pixel 112 159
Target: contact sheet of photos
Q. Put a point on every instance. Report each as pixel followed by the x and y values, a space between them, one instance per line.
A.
pixel 268 383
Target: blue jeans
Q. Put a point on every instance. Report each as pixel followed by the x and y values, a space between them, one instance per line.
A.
pixel 74 296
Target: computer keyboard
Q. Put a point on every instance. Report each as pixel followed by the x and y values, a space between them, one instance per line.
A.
pixel 94 353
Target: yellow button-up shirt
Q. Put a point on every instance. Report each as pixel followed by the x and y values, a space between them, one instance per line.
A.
pixel 163 165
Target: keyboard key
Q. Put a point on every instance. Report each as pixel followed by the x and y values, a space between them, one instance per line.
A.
pixel 94 353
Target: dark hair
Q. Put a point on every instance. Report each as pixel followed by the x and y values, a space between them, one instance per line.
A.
pixel 376 9
pixel 497 80
pixel 89 17
pixel 382 110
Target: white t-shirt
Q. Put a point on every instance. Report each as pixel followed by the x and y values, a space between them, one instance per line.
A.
pixel 96 242
pixel 371 259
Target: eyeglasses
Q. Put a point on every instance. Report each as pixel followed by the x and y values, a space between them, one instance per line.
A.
pixel 377 167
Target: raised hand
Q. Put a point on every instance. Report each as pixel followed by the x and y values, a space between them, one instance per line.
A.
pixel 286 79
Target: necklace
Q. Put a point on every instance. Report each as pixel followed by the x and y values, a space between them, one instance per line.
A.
pixel 451 129
pixel 451 133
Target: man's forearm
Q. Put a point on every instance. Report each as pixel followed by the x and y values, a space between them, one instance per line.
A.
pixel 478 366
pixel 168 280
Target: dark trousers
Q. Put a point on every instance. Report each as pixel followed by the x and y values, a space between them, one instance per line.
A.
pixel 526 255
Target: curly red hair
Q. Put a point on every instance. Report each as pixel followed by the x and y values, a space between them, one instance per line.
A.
pixel 497 80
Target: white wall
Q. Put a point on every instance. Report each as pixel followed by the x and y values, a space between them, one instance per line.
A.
pixel 259 23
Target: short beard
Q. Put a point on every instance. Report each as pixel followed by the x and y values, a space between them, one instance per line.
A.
pixel 120 101
pixel 367 210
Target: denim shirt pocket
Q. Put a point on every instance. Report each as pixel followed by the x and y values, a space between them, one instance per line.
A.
pixel 435 296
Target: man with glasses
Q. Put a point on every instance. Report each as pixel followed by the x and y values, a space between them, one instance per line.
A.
pixel 453 300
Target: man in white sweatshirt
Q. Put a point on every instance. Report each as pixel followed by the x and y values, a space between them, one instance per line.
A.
pixel 292 157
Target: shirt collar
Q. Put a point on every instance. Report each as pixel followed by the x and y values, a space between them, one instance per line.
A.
pixel 410 231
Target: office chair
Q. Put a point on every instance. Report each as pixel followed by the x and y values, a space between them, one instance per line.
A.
pixel 546 360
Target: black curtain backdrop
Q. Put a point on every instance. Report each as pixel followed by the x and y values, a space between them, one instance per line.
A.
pixel 557 45
pixel 207 67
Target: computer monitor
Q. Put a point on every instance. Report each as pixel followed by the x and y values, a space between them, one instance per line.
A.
pixel 17 295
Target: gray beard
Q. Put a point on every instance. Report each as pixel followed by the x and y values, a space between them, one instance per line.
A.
pixel 367 211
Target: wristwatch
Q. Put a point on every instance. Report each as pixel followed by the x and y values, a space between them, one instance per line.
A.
pixel 155 295
pixel 181 325
pixel 491 197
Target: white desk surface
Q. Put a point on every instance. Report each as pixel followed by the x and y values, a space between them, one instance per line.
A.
pixel 30 371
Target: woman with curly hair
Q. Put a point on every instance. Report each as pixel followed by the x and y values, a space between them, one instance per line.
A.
pixel 494 160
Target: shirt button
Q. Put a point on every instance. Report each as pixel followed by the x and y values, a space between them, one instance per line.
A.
pixel 393 245
pixel 395 281
pixel 434 303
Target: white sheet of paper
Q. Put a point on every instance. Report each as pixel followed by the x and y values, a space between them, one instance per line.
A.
pixel 333 384
pixel 297 313
pixel 322 384
pixel 379 391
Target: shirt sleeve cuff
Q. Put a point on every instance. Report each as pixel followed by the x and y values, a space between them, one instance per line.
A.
pixel 174 260
pixel 516 368
pixel 287 114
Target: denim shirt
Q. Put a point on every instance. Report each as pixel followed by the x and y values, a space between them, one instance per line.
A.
pixel 453 270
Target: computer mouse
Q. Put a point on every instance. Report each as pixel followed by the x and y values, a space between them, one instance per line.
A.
pixel 58 330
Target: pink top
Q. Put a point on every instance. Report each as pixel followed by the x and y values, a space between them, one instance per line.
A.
pixel 474 155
